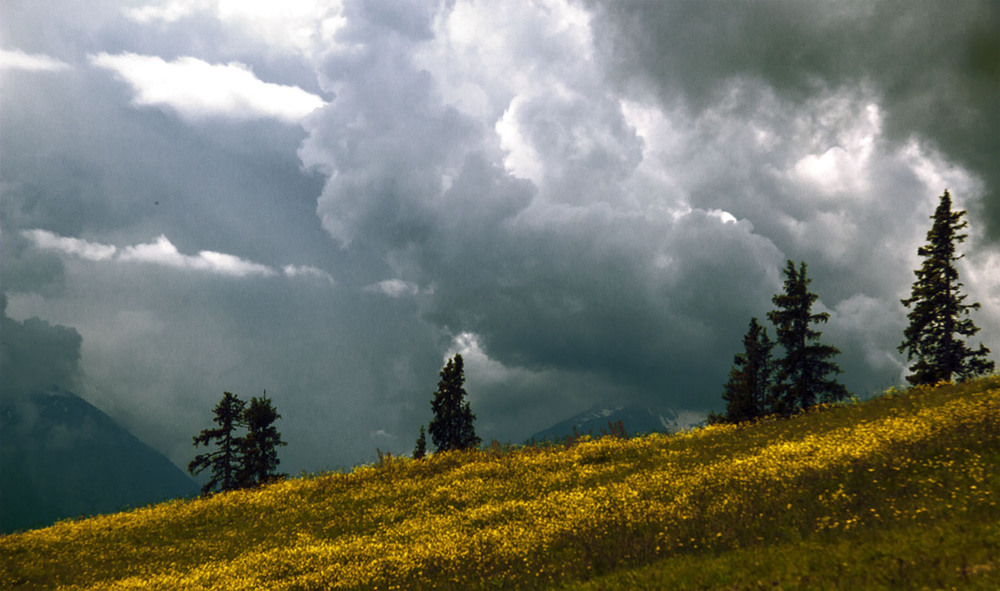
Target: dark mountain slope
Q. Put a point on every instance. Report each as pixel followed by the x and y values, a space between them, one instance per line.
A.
pixel 62 457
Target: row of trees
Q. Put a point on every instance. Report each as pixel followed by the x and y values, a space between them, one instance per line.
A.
pixel 246 440
pixel 759 385
pixel 246 443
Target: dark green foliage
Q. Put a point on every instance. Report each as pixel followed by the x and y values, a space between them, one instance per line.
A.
pixel 803 374
pixel 224 462
pixel 258 450
pixel 240 460
pixel 452 425
pixel 748 391
pixel 715 418
pixel 421 448
pixel 939 318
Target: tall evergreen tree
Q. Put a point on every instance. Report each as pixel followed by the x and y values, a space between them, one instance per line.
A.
pixel 259 448
pixel 748 391
pixel 420 449
pixel 804 372
pixel 452 425
pixel 939 318
pixel 224 462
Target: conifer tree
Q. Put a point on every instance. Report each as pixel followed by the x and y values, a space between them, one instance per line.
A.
pixel 939 318
pixel 224 462
pixel 748 391
pixel 804 372
pixel 452 425
pixel 420 450
pixel 259 448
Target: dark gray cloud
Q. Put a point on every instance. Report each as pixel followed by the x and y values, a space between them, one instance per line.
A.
pixel 36 356
pixel 28 270
pixel 588 200
pixel 934 68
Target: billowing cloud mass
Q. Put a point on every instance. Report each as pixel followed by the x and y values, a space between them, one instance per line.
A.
pixel 589 200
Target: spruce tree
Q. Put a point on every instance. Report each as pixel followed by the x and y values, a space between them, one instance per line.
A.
pixel 939 318
pixel 259 448
pixel 452 425
pixel 224 462
pixel 747 393
pixel 420 450
pixel 804 372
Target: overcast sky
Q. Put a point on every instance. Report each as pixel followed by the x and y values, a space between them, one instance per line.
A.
pixel 589 200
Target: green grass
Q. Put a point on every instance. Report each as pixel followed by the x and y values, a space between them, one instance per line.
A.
pixel 958 553
pixel 897 492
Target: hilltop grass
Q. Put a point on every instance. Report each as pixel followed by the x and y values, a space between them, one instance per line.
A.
pixel 961 552
pixel 900 491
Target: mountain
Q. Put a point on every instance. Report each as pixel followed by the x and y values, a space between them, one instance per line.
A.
pixel 635 419
pixel 62 457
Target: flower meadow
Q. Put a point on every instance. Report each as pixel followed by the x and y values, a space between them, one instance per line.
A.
pixel 561 515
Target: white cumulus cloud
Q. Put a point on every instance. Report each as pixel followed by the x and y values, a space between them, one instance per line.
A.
pixel 160 252
pixel 394 288
pixel 196 89
pixel 307 271
pixel 15 59
pixel 168 12
pixel 163 252
pixel 92 251
pixel 296 26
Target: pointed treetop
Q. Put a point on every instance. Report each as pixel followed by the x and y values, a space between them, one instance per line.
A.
pixel 938 315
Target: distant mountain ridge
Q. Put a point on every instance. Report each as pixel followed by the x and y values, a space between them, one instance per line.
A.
pixel 62 457
pixel 635 419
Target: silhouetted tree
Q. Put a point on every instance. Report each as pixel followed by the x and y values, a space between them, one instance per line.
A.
pixel 803 374
pixel 259 448
pixel 939 318
pixel 421 448
pixel 452 425
pixel 748 391
pixel 224 462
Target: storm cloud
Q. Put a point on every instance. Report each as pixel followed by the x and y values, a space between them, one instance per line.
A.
pixel 37 356
pixel 588 200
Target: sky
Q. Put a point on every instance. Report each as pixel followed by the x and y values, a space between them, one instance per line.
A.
pixel 325 199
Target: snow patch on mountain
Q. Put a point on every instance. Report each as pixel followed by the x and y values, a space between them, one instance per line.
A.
pixel 635 419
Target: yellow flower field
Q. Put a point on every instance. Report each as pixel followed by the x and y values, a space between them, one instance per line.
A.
pixel 539 517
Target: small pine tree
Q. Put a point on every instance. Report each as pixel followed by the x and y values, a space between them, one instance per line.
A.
pixel 420 450
pixel 224 461
pixel 747 393
pixel 259 448
pixel 803 374
pixel 452 425
pixel 939 317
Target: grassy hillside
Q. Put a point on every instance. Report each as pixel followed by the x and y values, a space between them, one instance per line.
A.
pixel 897 492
